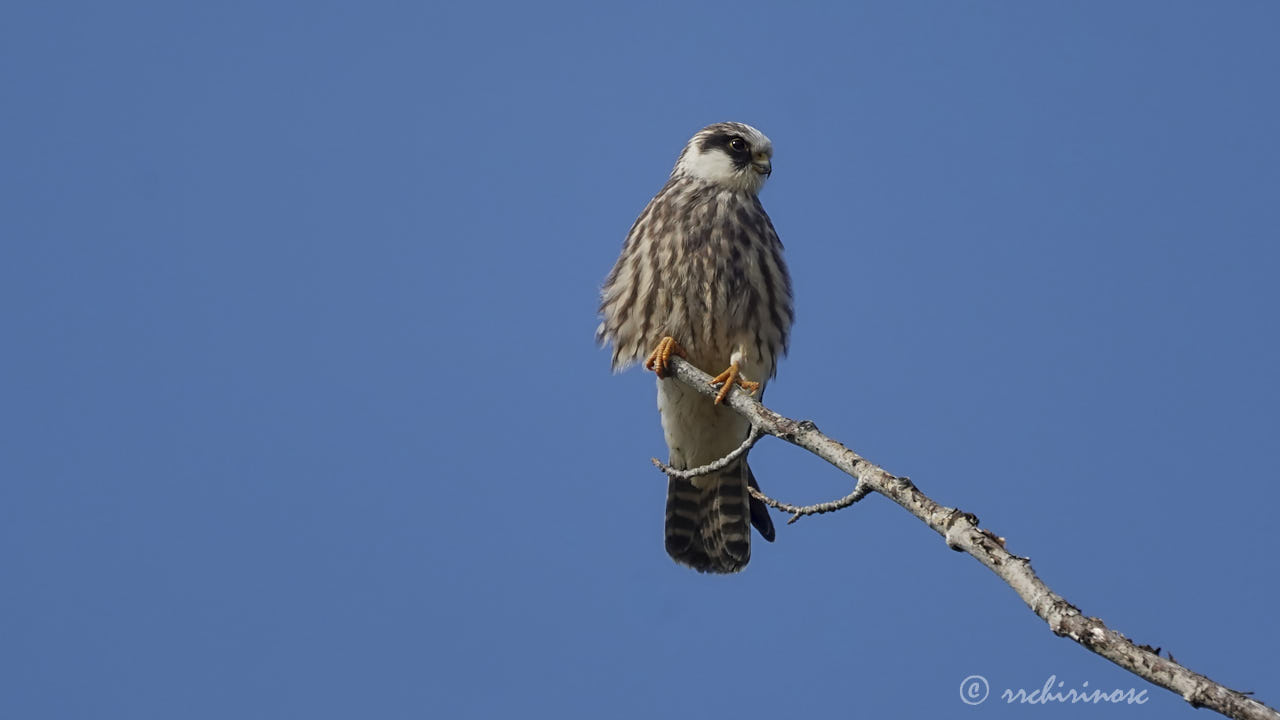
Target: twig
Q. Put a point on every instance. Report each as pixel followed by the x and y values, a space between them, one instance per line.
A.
pixel 961 531
pixel 860 491
pixel 711 467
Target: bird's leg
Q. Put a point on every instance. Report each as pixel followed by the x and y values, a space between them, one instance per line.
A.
pixel 730 377
pixel 661 356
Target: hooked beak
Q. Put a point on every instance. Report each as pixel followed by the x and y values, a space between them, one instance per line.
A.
pixel 764 167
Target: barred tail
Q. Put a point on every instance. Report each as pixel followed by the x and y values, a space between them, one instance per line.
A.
pixel 708 524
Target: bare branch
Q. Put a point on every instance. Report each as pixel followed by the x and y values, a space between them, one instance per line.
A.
pixel 860 490
pixel 961 532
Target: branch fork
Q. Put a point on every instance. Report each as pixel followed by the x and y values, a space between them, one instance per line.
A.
pixel 961 532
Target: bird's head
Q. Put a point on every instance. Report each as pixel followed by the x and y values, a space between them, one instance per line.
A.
pixel 728 154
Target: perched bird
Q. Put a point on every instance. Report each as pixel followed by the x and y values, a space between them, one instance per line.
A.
pixel 701 276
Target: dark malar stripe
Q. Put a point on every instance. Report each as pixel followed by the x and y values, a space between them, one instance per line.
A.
pixel 722 139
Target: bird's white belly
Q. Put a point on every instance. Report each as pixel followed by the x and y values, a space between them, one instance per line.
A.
pixel 697 430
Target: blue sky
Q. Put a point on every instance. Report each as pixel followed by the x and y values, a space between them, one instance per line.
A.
pixel 303 416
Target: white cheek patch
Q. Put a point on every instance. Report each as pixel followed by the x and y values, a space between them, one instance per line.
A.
pixel 713 166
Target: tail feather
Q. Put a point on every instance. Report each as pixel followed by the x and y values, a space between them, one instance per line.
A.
pixel 709 520
pixel 759 512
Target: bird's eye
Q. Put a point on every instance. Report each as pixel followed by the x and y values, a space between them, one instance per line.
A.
pixel 738 144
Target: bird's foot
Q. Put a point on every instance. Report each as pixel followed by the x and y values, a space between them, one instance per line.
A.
pixel 661 356
pixel 730 377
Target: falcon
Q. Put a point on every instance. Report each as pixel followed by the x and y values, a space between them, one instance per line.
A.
pixel 701 276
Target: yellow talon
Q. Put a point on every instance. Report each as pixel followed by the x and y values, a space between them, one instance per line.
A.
pixel 660 358
pixel 730 377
